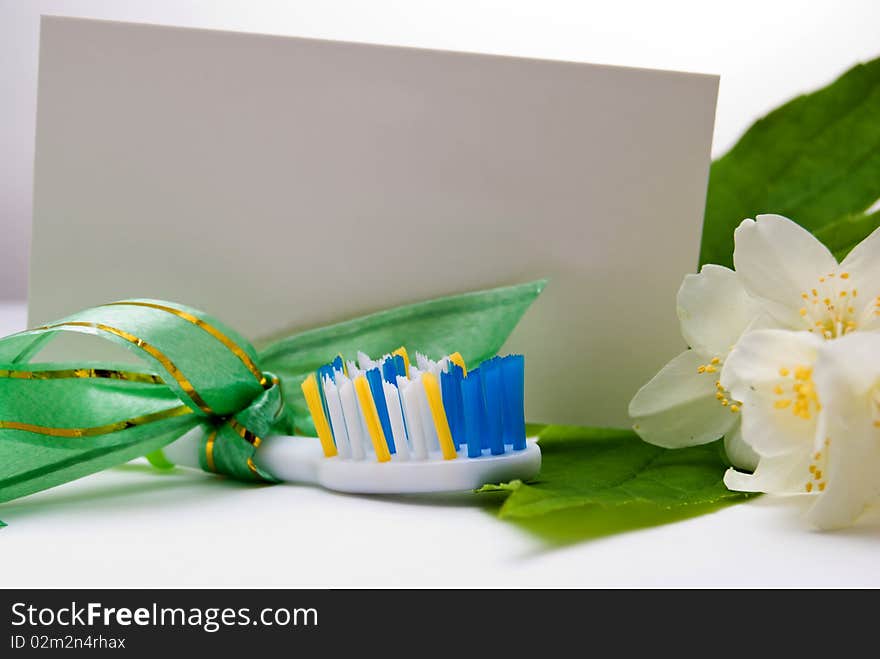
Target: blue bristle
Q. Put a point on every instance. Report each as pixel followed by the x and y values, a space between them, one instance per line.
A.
pixel 374 378
pixel 389 371
pixel 447 382
pixel 399 364
pixel 472 407
pixel 514 422
pixel 337 364
pixel 494 401
pixel 450 383
pixel 458 373
pixel 484 424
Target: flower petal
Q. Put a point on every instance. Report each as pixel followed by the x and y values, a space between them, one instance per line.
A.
pixel 863 266
pixel 777 261
pixel 678 406
pixel 714 310
pixel 740 454
pixel 847 372
pixel 778 474
pixel 760 372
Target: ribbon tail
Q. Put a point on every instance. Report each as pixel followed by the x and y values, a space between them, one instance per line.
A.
pixel 30 468
pixel 476 323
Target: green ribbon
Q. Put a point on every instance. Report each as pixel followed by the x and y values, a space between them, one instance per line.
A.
pixel 59 422
pixel 62 421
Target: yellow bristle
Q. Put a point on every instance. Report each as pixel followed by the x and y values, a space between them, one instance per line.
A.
pixel 458 360
pixel 435 402
pixel 316 409
pixel 371 418
pixel 402 352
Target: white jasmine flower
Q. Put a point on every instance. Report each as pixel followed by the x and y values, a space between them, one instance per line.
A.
pixel 785 278
pixel 685 404
pixel 811 410
pixel 799 283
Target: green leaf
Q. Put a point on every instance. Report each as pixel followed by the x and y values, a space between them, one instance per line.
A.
pixel 595 481
pixel 847 232
pixel 473 324
pixel 815 160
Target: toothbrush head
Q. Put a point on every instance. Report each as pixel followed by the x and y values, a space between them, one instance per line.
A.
pixel 386 426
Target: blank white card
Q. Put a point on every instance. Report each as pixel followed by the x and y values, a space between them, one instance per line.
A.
pixel 282 183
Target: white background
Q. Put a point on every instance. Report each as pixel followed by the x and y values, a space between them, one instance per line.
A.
pixel 766 52
pixel 130 526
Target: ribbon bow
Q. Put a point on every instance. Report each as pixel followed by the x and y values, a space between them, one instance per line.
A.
pixel 59 422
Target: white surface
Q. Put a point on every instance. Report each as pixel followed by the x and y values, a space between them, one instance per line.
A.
pixel 134 526
pixel 766 52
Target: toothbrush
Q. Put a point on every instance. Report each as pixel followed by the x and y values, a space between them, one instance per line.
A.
pixel 385 426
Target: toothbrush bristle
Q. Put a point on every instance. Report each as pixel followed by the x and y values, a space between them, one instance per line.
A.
pixel 434 410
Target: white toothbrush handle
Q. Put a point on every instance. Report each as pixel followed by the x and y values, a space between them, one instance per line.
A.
pixel 290 459
pixel 301 460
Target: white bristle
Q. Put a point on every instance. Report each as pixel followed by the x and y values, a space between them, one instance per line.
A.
pixel 353 421
pixel 432 442
pixel 423 362
pixel 367 441
pixel 353 370
pixel 337 417
pixel 364 361
pixel 395 415
pixel 413 415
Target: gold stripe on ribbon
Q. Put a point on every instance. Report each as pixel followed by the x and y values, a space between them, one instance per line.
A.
pixel 244 433
pixel 154 352
pixel 233 347
pixel 94 431
pixel 68 373
pixel 253 467
pixel 209 451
